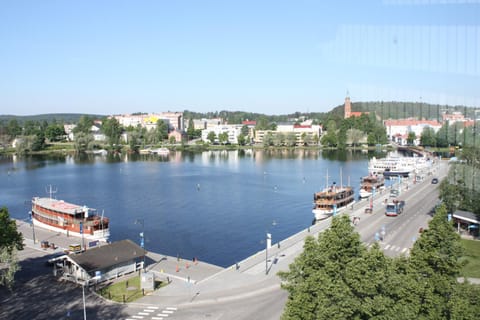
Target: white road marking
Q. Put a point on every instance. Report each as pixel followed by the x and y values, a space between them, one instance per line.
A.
pixel 387 246
pixel 152 308
pixel 171 308
pixel 149 310
pixel 157 318
pixel 143 313
pixel 137 317
pixel 167 311
pixel 162 315
pixel 404 249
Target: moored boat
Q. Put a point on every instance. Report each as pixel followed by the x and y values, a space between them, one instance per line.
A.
pixel 390 166
pixel 160 151
pixel 370 183
pixel 331 200
pixel 71 219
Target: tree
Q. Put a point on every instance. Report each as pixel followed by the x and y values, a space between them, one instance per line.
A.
pixel 291 139
pixel 223 137
pixel 13 128
pixel 54 132
pixel 245 130
pixel 428 137
pixel 411 138
pixel 354 136
pixel 329 139
pixel 190 129
pixel 316 138
pixel 342 138
pixel 84 125
pixel 10 241
pixel 38 141
pixel 451 195
pixel 303 137
pixel 211 137
pixel 279 139
pixel 10 238
pixel 435 260
pixel 30 143
pixel 316 280
pixel 134 141
pixel 9 260
pixel 241 139
pixel 268 139
pixel 161 130
pixel 83 142
pixel 112 130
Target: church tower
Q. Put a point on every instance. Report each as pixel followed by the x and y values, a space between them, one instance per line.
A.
pixel 348 107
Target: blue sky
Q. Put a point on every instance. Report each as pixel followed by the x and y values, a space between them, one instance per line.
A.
pixel 272 57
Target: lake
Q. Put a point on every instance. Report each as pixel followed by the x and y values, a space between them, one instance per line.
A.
pixel 214 205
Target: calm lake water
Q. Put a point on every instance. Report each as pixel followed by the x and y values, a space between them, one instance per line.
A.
pixel 214 205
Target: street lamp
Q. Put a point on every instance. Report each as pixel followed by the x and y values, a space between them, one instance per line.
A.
pixel 268 244
pixel 33 225
pixel 142 238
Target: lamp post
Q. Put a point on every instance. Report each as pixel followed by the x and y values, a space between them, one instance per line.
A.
pixel 268 244
pixel 84 306
pixel 33 225
pixel 142 238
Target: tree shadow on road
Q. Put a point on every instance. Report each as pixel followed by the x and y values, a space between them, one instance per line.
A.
pixel 37 294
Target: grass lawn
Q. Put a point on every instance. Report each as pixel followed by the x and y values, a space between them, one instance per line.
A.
pixel 126 291
pixel 472 256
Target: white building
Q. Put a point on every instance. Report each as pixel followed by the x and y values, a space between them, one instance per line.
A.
pixel 301 131
pixel 233 131
pixel 398 130
pixel 149 121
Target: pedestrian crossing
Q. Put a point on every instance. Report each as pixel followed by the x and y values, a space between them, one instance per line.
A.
pixel 153 313
pixel 389 247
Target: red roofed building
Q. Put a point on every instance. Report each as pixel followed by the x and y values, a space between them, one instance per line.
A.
pixel 249 122
pixel 398 130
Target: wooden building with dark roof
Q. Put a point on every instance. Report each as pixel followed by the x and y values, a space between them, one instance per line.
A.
pixel 101 263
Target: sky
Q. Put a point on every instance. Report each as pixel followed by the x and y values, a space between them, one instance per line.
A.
pixel 272 57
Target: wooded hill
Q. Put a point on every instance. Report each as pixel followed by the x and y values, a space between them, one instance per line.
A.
pixel 383 110
pixel 49 117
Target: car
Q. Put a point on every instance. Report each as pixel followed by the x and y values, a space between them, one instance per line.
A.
pixel 434 181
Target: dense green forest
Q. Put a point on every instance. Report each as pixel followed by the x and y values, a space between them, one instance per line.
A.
pixel 49 117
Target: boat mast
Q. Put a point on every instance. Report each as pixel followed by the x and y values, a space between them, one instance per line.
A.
pixel 327 179
pixel 341 178
pixel 51 191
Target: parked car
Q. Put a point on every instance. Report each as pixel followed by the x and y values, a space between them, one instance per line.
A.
pixel 434 181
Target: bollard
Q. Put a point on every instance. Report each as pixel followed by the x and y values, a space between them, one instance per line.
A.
pixel 123 298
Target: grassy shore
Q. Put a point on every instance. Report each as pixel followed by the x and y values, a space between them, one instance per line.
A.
pixel 472 258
